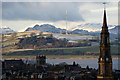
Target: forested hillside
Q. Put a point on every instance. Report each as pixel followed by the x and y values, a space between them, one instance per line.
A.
pixel 42 42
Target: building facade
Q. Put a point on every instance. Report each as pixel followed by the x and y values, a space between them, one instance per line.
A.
pixel 40 60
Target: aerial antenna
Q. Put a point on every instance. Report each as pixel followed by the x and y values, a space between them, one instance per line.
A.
pixel 66 22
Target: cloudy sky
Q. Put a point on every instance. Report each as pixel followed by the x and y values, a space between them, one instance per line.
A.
pixel 21 15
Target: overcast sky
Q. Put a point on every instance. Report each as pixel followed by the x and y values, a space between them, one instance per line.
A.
pixel 21 15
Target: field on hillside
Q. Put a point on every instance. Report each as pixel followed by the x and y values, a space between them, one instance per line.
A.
pixel 58 57
pixel 9 40
pixel 93 50
pixel 10 49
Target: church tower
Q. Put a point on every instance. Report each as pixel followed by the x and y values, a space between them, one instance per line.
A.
pixel 105 60
pixel 40 60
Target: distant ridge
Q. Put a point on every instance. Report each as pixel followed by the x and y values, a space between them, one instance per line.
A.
pixel 114 30
pixel 92 27
pixel 4 30
pixel 80 29
pixel 46 28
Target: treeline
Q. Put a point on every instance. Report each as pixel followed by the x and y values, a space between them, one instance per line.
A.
pixel 42 42
pixel 49 52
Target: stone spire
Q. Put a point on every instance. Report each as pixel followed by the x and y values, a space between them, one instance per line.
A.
pixel 104 19
pixel 104 32
pixel 104 28
pixel 105 60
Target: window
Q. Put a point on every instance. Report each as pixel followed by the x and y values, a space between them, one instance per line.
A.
pixel 100 59
pixel 106 59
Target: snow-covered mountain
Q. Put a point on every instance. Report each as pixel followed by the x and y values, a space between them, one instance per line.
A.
pixel 91 27
pixel 80 31
pixel 46 28
pixel 114 30
pixel 6 30
pixel 87 28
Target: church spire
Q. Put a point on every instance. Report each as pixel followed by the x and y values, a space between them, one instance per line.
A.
pixel 104 19
pixel 105 60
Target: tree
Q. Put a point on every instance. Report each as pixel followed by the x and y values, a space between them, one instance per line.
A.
pixel 13 35
pixel 32 34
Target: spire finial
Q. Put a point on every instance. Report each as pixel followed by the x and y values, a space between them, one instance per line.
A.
pixel 104 6
pixel 104 18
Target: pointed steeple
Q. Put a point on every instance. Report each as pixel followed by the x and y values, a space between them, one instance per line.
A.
pixel 104 27
pixel 105 60
pixel 104 19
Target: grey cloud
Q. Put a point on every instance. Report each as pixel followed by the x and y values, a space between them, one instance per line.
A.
pixel 54 11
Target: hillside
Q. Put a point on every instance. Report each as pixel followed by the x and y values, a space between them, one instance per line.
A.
pixel 36 40
pixel 33 45
pixel 40 42
pixel 11 49
pixel 93 51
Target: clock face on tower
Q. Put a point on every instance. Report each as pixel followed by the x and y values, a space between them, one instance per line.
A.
pixel 100 59
pixel 106 59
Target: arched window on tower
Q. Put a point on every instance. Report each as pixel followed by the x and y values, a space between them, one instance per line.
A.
pixel 101 69
pixel 101 38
